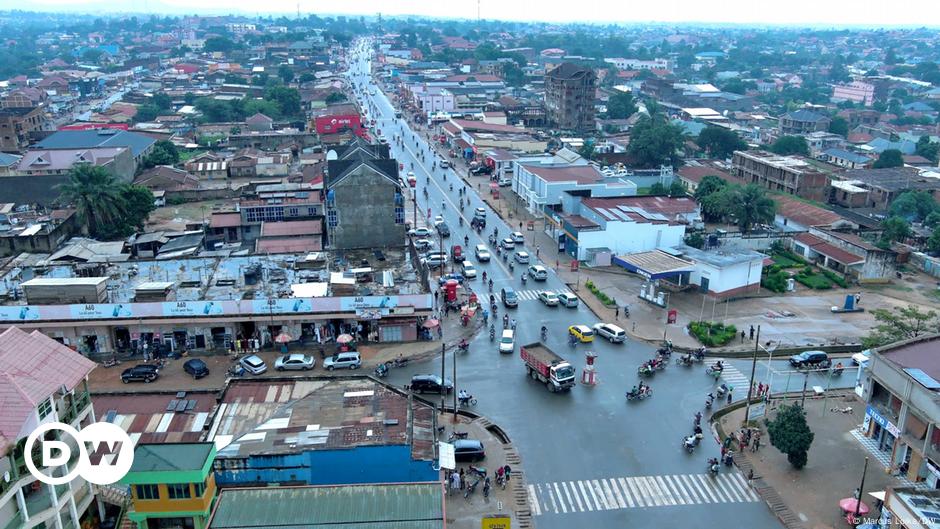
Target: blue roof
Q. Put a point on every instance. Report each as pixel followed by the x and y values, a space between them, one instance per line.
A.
pixel 880 145
pixel 847 155
pixel 693 128
pixel 88 139
pixel 7 159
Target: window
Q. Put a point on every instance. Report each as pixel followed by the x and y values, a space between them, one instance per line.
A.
pixel 399 215
pixel 332 218
pixel 147 492
pixel 293 211
pixel 199 489
pixel 178 491
pixel 45 408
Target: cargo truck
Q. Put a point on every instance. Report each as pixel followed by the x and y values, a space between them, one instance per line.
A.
pixel 546 366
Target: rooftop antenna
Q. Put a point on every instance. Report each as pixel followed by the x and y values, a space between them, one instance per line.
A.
pixel 298 9
pixel 478 10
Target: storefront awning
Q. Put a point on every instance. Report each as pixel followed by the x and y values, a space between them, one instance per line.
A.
pixel 654 265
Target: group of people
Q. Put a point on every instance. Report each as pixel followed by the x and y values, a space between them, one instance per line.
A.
pixel 458 479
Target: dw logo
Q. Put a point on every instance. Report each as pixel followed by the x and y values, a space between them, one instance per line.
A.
pixel 106 441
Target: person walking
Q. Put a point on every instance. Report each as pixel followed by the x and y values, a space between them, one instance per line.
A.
pixel 742 335
pixel 455 482
pixel 752 332
pixel 537 249
pixel 617 312
pixel 730 389
pixel 462 480
pixel 755 445
pixel 760 389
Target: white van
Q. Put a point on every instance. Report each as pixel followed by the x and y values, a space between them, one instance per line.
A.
pixel 507 343
pixel 610 331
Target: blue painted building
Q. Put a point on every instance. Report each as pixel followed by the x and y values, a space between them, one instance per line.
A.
pixel 323 432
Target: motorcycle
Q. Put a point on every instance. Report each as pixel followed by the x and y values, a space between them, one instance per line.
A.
pixel 398 362
pixel 544 334
pixel 512 268
pixel 640 394
pixel 455 435
pixel 713 467
pixel 689 444
pixel 684 361
pixel 381 370
pixel 492 333
pixel 236 371
pixel 658 364
pixel 469 400
pixel 708 403
pixel 111 362
pixel 714 372
pixel 722 389
pixel 463 347
pixel 645 370
pixel 664 351
pixel 698 356
pixel 523 279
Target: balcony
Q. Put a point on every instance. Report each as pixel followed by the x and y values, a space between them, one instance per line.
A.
pixel 68 412
pixel 39 500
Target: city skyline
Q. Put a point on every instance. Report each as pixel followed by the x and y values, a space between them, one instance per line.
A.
pixel 866 13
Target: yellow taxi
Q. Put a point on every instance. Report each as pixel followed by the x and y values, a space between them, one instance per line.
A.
pixel 583 333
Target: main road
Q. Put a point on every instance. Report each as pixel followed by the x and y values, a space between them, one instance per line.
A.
pixel 591 458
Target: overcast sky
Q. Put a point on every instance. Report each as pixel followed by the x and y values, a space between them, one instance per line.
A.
pixel 798 12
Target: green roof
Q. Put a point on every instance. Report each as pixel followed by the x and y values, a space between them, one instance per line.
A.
pixel 171 457
pixel 396 506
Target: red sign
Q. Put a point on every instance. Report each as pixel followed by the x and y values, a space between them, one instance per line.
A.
pixel 672 315
pixel 335 123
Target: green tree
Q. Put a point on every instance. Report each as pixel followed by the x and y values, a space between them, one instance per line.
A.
pixel 889 158
pixel 710 184
pixel 933 242
pixel 307 77
pixel 790 434
pixel 901 323
pixel 513 74
pixel 96 196
pixel 893 229
pixel 914 206
pixel 839 126
pixel 286 73
pixel 750 205
pixel 657 189
pixel 335 97
pixel 189 98
pixel 932 220
pixel 720 142
pixel 219 44
pixel 92 55
pixel 287 99
pixel 655 142
pixel 163 153
pixel 787 145
pixel 695 240
pixel 927 148
pixel 262 106
pixel 620 105
pixel 162 101
pixel 676 189
pixel 587 150
pixel 146 112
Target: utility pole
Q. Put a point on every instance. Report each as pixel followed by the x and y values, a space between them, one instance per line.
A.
pixel 750 388
pixel 455 386
pixel 861 487
pixel 443 368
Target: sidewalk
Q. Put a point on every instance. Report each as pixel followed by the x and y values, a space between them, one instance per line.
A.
pixel 836 458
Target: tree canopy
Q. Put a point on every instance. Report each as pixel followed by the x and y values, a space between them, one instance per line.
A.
pixel 788 145
pixel 901 323
pixel 163 153
pixel 839 126
pixel 107 208
pixel 621 105
pixel 914 206
pixel 893 229
pixel 790 434
pixel 889 158
pixel 720 142
pixel 655 142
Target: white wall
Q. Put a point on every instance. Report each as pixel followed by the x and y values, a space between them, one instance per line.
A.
pixel 631 237
pixel 727 278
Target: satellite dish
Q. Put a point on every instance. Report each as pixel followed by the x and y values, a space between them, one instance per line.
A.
pixel 331 155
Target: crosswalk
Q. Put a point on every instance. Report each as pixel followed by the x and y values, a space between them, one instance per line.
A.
pixel 532 295
pixel 732 375
pixel 562 497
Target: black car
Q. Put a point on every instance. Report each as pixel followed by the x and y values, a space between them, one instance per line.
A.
pixel 443 229
pixel 811 359
pixel 430 384
pixel 481 170
pixel 468 450
pixel 196 367
pixel 145 373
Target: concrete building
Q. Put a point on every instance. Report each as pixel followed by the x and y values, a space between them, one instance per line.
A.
pixel 785 174
pixel 845 253
pixel 432 98
pixel 49 384
pixel 844 158
pixel 569 97
pixel 639 64
pixel 879 187
pixel 172 485
pixel 17 125
pixel 724 272
pixel 52 162
pixel 803 122
pixel 903 413
pixel 915 507
pixel 139 144
pixel 856 92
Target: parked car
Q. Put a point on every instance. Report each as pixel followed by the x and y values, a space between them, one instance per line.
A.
pixel 549 298
pixel 861 357
pixel 481 170
pixel 567 299
pixel 139 373
pixel 522 257
pixel 419 232
pixel 468 450
pixel 583 333
pixel 510 299
pixel 196 368
pixel 811 359
pixel 504 181
pixel 610 331
pixel 517 237
pixel 507 244
pixel 423 244
pixel 430 384
pixel 446 277
pixel 253 364
pixel 294 362
pixel 347 360
pixel 434 261
pixel 538 272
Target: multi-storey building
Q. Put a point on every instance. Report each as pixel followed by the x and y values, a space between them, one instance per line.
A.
pixel 569 97
pixel 856 92
pixel 786 174
pixel 803 122
pixel 16 124
pixel 41 381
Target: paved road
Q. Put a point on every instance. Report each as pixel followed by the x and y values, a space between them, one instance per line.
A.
pixel 591 458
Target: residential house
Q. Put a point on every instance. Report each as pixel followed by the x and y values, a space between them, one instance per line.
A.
pixel 785 174
pixel 296 236
pixel 845 253
pixel 139 144
pixel 50 162
pixel 569 97
pixel 877 188
pixel 803 121
pixel 207 166
pixel 49 383
pixel 724 272
pixel 844 158
pixel 821 141
pixel 17 126
pixel 251 163
pixel 798 215
pixel 856 92
pixel 172 485
pixel 692 173
pixel 259 122
pixel 166 178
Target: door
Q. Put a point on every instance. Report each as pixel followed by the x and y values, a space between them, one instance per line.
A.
pixel 703 286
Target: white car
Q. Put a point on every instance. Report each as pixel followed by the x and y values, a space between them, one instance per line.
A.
pixel 538 272
pixel 504 182
pixel 568 299
pixel 349 360
pixel 507 244
pixel 438 220
pixel 479 213
pixel 419 232
pixel 517 237
pixel 522 257
pixel 253 364
pixel 549 298
pixel 294 362
pixel 469 271
pixel 610 331
pixel 483 253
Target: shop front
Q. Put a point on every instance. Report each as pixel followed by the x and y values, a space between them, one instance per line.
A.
pixel 882 430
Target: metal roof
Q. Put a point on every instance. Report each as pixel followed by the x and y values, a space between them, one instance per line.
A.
pixel 167 457
pixel 394 506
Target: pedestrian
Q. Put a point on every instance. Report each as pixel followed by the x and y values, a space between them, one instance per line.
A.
pixel 727 442
pixel 440 334
pixel 537 248
pixel 760 389
pixel 437 294
pixel 455 482
pixel 461 476
pixel 730 389
pixel 724 450
pixel 508 472
pixel 742 336
pixel 752 332
pixel 617 312
pixel 858 298
pixel 755 446
pixel 750 474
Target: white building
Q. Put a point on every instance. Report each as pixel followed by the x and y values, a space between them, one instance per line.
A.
pixel 639 64
pixel 433 98
pixel 41 381
pixel 856 92
pixel 726 271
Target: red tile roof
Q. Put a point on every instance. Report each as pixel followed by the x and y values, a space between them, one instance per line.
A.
pixel 582 174
pixel 805 214
pixel 833 252
pixel 695 174
pixel 666 206
pixel 145 417
pixel 291 228
pixel 226 220
pixel 32 368
pixel 291 245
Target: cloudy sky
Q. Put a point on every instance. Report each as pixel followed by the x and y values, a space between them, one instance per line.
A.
pixel 798 12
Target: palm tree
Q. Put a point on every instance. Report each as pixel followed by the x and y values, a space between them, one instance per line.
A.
pixel 95 195
pixel 751 205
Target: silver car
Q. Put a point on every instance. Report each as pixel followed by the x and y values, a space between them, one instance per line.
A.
pixel 253 364
pixel 294 362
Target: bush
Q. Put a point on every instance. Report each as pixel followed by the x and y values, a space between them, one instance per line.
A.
pixel 775 281
pixel 712 334
pixel 603 298
pixel 835 278
pixel 787 259
pixel 813 280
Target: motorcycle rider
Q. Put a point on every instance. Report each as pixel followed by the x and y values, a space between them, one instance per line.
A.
pixel 466 242
pixel 523 278
pixel 718 366
pixel 463 397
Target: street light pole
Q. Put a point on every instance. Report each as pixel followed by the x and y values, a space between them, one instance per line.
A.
pixel 861 487
pixel 443 367
pixel 750 388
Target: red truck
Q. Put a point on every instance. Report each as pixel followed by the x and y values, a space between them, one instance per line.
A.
pixel 546 366
pixel 456 253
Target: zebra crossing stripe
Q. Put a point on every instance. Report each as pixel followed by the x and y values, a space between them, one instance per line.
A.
pixel 600 494
pixel 728 492
pixel 561 500
pixel 551 496
pixel 587 501
pixel 749 493
pixel 707 487
pixel 672 490
pixel 687 494
pixel 576 497
pixel 636 494
pixel 697 492
pixel 644 486
pixel 626 491
pixel 534 501
pixel 613 486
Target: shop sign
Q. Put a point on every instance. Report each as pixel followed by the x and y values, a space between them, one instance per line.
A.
pixel 881 421
pixel 358 303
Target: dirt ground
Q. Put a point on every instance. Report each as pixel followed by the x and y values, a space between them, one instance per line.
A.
pixel 175 218
pixel 834 470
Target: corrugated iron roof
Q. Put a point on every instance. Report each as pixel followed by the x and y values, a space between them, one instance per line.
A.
pixel 395 506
